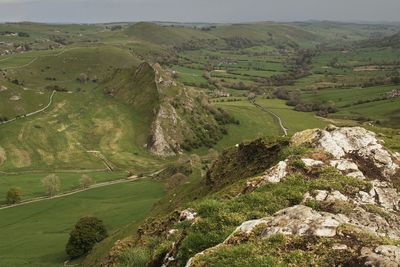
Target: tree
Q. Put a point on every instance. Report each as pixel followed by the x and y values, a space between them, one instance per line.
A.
pixel 13 195
pixel 85 181
pixel 52 184
pixel 87 232
pixel 83 78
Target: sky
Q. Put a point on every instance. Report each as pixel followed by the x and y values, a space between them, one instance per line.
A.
pixel 96 11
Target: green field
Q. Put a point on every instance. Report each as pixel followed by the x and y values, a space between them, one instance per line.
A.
pixel 293 120
pixel 31 185
pixel 36 234
pixel 253 123
pixel 347 96
pixel 360 103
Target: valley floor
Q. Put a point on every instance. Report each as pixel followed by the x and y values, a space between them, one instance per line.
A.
pixel 43 227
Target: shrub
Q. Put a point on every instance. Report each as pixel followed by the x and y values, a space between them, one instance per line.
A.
pixel 13 195
pixel 85 181
pixel 87 232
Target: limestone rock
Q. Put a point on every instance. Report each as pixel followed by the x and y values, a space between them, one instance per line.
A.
pixel 15 98
pixel 312 162
pixel 188 215
pixel 161 144
pixel 273 175
pixel 388 256
pixel 381 194
pixel 343 142
pixel 302 220
pixel 324 195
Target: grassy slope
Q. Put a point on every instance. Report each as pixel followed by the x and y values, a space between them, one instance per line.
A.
pixel 386 111
pixel 292 120
pixel 43 227
pixel 265 32
pixel 79 121
pixel 253 123
pixel 343 97
pixel 163 35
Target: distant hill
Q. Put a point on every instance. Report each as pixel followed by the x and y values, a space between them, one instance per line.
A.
pixel 168 35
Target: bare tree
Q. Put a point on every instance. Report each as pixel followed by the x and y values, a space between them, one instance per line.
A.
pixel 85 181
pixel 52 184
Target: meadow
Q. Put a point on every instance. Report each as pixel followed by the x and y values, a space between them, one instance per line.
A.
pixel 31 185
pixel 36 234
pixel 293 120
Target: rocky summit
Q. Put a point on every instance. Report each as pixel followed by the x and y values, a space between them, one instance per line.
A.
pixel 361 220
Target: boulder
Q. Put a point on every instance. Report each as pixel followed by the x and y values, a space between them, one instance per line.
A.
pixel 388 256
pixel 312 162
pixel 302 220
pixel 188 215
pixel 347 143
pixel 273 175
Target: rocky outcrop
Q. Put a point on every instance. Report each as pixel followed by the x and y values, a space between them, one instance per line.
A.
pixel 338 200
pixel 273 175
pixel 354 144
pixel 386 255
pixel 357 153
pixel 301 220
pixel 163 144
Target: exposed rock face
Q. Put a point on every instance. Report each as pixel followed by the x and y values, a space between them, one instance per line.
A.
pixel 348 143
pixel 273 175
pixel 388 256
pixel 382 194
pixel 302 220
pixel 188 215
pixel 176 117
pixel 312 162
pixel 354 152
pixel 350 202
pixel 162 144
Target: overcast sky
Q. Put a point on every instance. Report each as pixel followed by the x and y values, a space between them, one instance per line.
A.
pixel 198 10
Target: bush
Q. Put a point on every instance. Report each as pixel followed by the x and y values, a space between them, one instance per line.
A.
pixel 13 195
pixel 85 181
pixel 87 232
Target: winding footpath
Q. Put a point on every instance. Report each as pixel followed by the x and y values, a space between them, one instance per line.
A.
pixel 36 58
pixel 34 112
pixel 285 130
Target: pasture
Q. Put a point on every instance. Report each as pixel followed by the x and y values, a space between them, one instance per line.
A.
pixel 43 227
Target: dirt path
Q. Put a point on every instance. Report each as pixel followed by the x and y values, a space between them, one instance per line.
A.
pixel 36 58
pixel 285 130
pixel 22 66
pixel 34 112
pixel 73 192
pixel 103 159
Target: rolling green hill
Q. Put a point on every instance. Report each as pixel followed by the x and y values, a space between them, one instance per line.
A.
pixel 168 35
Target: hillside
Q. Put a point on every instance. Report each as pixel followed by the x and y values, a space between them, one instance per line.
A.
pixel 177 36
pixel 179 118
pixel 329 198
